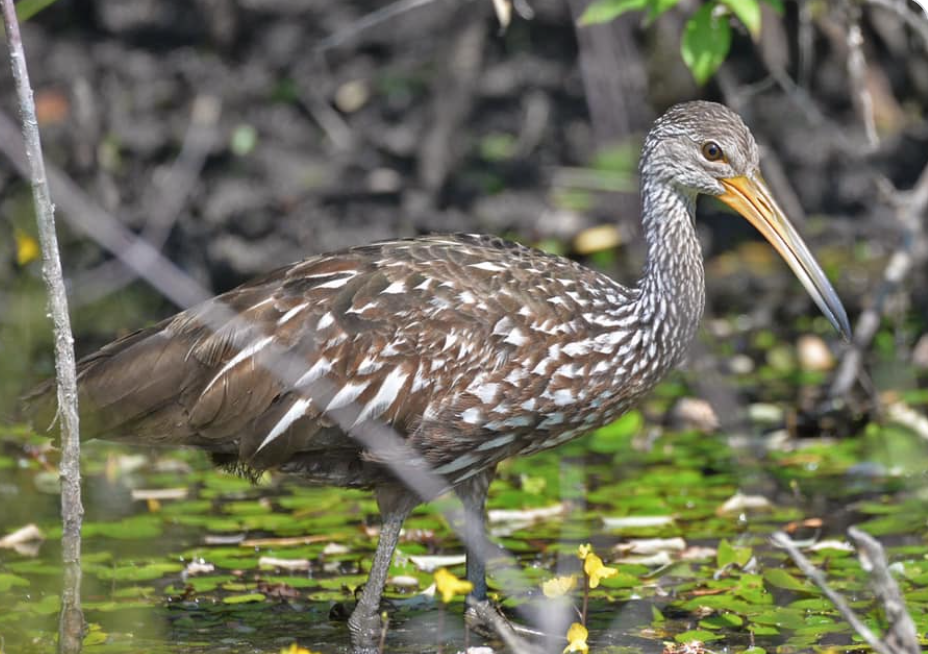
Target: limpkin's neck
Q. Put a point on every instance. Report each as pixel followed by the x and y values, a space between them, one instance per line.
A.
pixel 672 287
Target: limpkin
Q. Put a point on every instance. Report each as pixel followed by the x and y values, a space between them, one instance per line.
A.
pixel 471 348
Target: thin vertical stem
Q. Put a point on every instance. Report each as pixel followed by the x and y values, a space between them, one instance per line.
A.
pixel 71 619
pixel 441 628
pixel 586 598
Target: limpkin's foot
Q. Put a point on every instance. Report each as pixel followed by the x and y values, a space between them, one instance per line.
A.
pixel 485 619
pixel 365 629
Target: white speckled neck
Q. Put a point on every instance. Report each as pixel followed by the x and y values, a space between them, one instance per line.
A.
pixel 672 288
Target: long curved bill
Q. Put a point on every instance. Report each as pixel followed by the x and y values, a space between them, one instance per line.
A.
pixel 750 197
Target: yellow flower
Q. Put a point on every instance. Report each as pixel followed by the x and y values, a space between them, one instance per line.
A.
pixel 584 551
pixel 449 585
pixel 596 571
pixel 559 586
pixel 576 639
pixel 295 649
pixel 27 248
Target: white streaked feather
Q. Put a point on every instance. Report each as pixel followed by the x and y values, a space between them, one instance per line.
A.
pixel 243 354
pixel 348 394
pixel 291 314
pixel 294 413
pixel 394 289
pixel 318 369
pixel 386 394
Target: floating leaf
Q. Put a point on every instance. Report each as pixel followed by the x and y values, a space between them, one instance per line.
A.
pixel 722 621
pixel 728 554
pixel 244 599
pixel 696 634
pixel 782 579
pixel 705 44
pixel 139 572
pixel 7 581
pixel 614 437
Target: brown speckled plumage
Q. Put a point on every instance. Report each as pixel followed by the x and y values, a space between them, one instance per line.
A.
pixel 470 347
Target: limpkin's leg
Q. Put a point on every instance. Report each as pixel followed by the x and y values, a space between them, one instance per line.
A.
pixel 482 616
pixel 364 624
pixel 473 494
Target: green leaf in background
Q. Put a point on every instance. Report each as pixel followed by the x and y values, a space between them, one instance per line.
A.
pixel 602 11
pixel 706 40
pixel 777 5
pixel 26 9
pixel 748 12
pixel 658 7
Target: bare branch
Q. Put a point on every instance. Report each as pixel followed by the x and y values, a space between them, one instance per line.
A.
pixel 163 202
pixel 371 20
pixel 919 24
pixel 857 74
pixel 780 539
pixel 89 218
pixel 912 253
pixel 901 635
pixel 71 618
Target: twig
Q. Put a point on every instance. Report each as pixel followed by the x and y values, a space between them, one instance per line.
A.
pixel 452 99
pixel 163 202
pixel 911 253
pixel 857 74
pixel 901 636
pixel 780 539
pixel 71 618
pixel 89 218
pixel 370 20
pixel 806 45
pixel 328 120
pixel 919 24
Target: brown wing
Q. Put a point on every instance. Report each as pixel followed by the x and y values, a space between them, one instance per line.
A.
pixel 415 334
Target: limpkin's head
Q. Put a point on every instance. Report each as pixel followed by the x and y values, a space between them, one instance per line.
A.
pixel 705 148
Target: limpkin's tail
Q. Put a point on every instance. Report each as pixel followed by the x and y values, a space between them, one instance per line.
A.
pixel 125 385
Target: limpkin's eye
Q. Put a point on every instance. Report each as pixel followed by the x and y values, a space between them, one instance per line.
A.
pixel 712 151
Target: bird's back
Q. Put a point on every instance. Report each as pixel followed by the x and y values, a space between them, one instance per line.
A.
pixel 471 347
